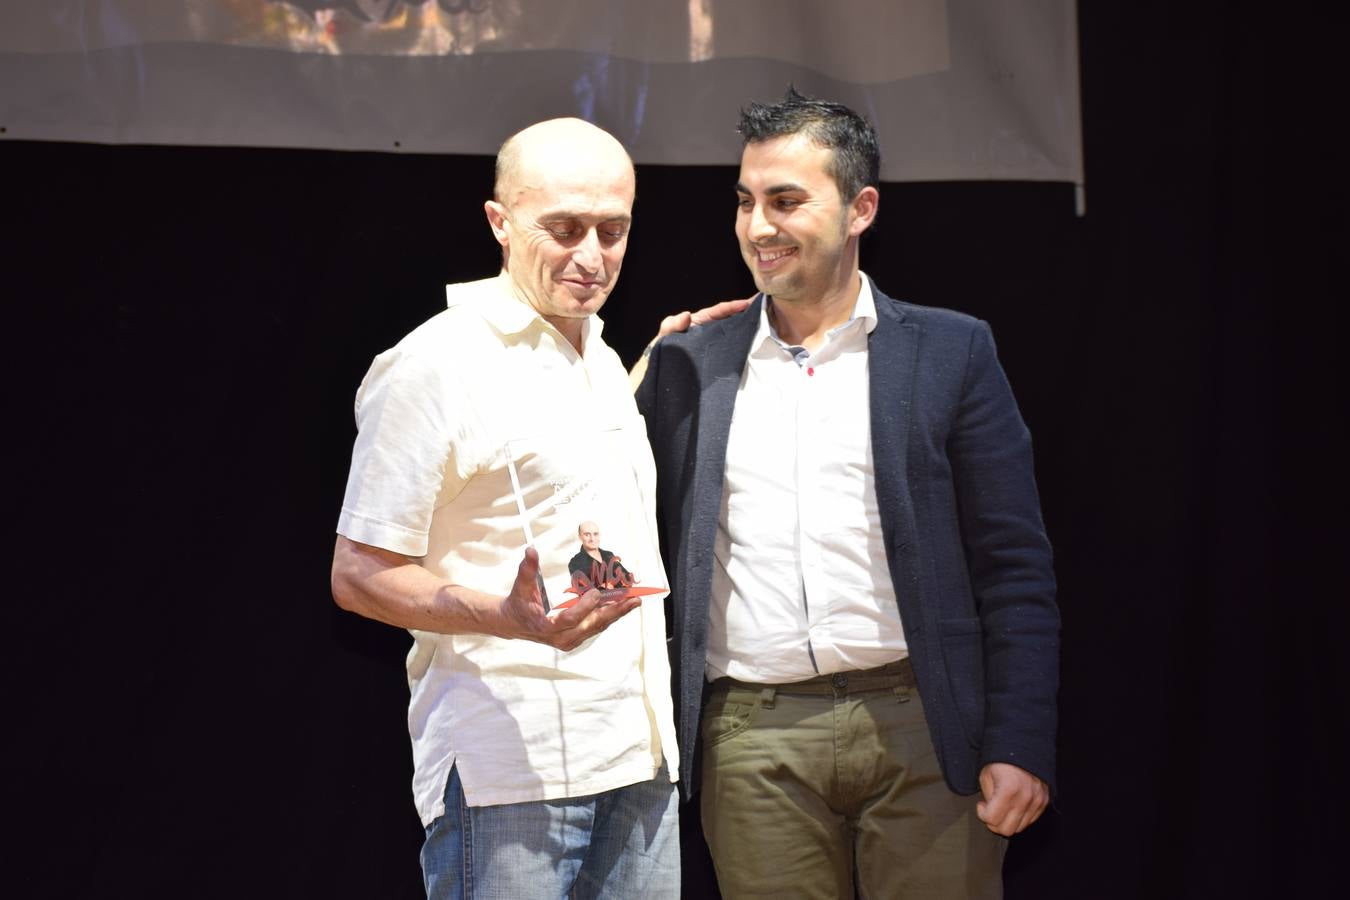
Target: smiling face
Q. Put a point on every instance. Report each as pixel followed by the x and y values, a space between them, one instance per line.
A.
pixel 562 216
pixel 798 237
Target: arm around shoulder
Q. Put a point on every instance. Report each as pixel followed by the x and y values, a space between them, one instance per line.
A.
pixel 681 322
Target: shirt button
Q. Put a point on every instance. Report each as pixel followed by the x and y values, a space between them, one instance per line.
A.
pixel 839 680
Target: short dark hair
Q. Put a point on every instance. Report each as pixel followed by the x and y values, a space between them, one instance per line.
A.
pixel 856 159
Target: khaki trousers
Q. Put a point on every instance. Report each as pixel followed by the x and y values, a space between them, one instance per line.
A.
pixel 830 788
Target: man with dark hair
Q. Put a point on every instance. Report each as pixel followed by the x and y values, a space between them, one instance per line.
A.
pixel 856 160
pixel 866 636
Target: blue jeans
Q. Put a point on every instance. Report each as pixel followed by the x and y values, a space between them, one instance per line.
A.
pixel 623 843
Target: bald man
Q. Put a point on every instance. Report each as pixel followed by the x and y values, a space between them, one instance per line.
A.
pixel 594 566
pixel 543 744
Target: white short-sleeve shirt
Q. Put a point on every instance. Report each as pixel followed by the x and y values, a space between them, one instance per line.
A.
pixel 444 417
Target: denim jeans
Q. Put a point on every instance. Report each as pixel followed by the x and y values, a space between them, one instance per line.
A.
pixel 623 843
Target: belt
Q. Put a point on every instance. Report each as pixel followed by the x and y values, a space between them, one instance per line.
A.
pixel 883 678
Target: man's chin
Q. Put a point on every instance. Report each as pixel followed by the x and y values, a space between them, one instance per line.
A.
pixel 578 303
pixel 585 293
pixel 763 284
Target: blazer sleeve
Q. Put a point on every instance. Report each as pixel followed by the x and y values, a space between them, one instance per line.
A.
pixel 1010 566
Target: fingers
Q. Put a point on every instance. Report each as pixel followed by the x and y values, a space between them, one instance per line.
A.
pixel 527 573
pixel 1013 798
pixel 1033 812
pixel 591 614
pixel 522 610
pixel 525 590
pixel 719 311
pixel 998 815
pixel 983 809
pixel 1014 813
pixel 680 321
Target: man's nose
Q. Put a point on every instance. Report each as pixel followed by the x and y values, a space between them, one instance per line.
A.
pixel 759 226
pixel 587 253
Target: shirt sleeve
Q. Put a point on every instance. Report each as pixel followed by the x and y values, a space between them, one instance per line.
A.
pixel 407 459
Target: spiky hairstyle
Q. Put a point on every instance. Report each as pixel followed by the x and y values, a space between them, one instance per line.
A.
pixel 855 162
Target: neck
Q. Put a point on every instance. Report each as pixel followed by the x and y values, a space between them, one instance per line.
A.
pixel 570 329
pixel 806 322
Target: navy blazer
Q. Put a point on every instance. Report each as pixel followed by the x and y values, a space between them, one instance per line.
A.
pixel 960 518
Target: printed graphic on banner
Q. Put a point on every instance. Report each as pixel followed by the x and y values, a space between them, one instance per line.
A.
pixel 866 41
pixel 983 89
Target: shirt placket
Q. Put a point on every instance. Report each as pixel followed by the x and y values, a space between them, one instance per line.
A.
pixel 815 495
pixel 810 496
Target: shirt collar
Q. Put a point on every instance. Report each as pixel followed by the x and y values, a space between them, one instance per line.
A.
pixel 864 310
pixel 866 306
pixel 507 313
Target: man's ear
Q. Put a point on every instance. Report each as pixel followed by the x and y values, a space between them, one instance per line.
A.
pixel 863 210
pixel 496 216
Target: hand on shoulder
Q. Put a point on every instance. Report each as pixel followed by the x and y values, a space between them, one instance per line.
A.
pixel 682 321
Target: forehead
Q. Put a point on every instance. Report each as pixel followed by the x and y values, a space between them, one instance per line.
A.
pixel 584 187
pixel 789 160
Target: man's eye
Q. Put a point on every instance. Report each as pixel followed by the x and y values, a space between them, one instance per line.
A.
pixel 745 203
pixel 787 203
pixel 562 230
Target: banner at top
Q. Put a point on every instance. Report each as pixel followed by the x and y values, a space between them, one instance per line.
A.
pixel 958 90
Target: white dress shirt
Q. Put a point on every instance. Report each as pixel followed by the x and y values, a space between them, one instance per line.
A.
pixel 801 586
pixel 485 387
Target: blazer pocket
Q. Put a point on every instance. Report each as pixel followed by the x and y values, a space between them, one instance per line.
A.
pixel 963 652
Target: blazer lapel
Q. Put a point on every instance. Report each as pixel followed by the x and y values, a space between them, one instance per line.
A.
pixel 720 372
pixel 892 354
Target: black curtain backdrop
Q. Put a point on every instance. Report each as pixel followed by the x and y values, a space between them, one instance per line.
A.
pixel 191 716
